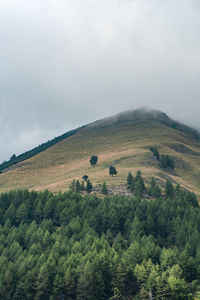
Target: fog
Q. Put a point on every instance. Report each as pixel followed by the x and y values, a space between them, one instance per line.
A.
pixel 66 63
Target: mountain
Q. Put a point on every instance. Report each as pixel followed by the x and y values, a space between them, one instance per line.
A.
pixel 122 141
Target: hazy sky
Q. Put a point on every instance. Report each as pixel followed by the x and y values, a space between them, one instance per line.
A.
pixel 64 63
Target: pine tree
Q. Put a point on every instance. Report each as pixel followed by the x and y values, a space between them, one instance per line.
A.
pixel 112 171
pixel 43 286
pixel 77 186
pixel 70 284
pixel 169 189
pixel 22 214
pixel 118 282
pixel 90 284
pixel 117 295
pixel 139 186
pixel 157 192
pixel 72 185
pixel 82 188
pixel 152 186
pixel 104 189
pixel 58 284
pixel 154 189
pixel 130 180
pixel 88 186
pixel 155 152
pixel 10 213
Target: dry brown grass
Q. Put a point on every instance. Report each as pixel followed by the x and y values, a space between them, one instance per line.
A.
pixel 124 145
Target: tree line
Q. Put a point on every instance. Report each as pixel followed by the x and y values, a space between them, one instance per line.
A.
pixel 28 154
pixel 134 184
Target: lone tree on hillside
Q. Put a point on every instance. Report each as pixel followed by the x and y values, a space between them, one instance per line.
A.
pixel 112 171
pixel 93 160
pixel 85 177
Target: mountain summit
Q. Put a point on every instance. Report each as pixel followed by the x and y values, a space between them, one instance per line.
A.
pixel 122 141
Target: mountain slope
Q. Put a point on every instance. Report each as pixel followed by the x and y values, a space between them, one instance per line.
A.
pixel 123 141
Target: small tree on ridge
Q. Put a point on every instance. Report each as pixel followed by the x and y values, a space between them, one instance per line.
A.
pixel 93 160
pixel 112 171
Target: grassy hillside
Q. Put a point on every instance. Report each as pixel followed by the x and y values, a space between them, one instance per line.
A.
pixel 122 141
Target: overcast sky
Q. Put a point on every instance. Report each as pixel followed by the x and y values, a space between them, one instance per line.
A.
pixel 64 63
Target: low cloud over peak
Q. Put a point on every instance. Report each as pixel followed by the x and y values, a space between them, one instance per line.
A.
pixel 66 63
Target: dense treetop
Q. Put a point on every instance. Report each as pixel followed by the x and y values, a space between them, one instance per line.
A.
pixel 66 246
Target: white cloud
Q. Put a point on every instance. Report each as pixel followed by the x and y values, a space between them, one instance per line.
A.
pixel 64 63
